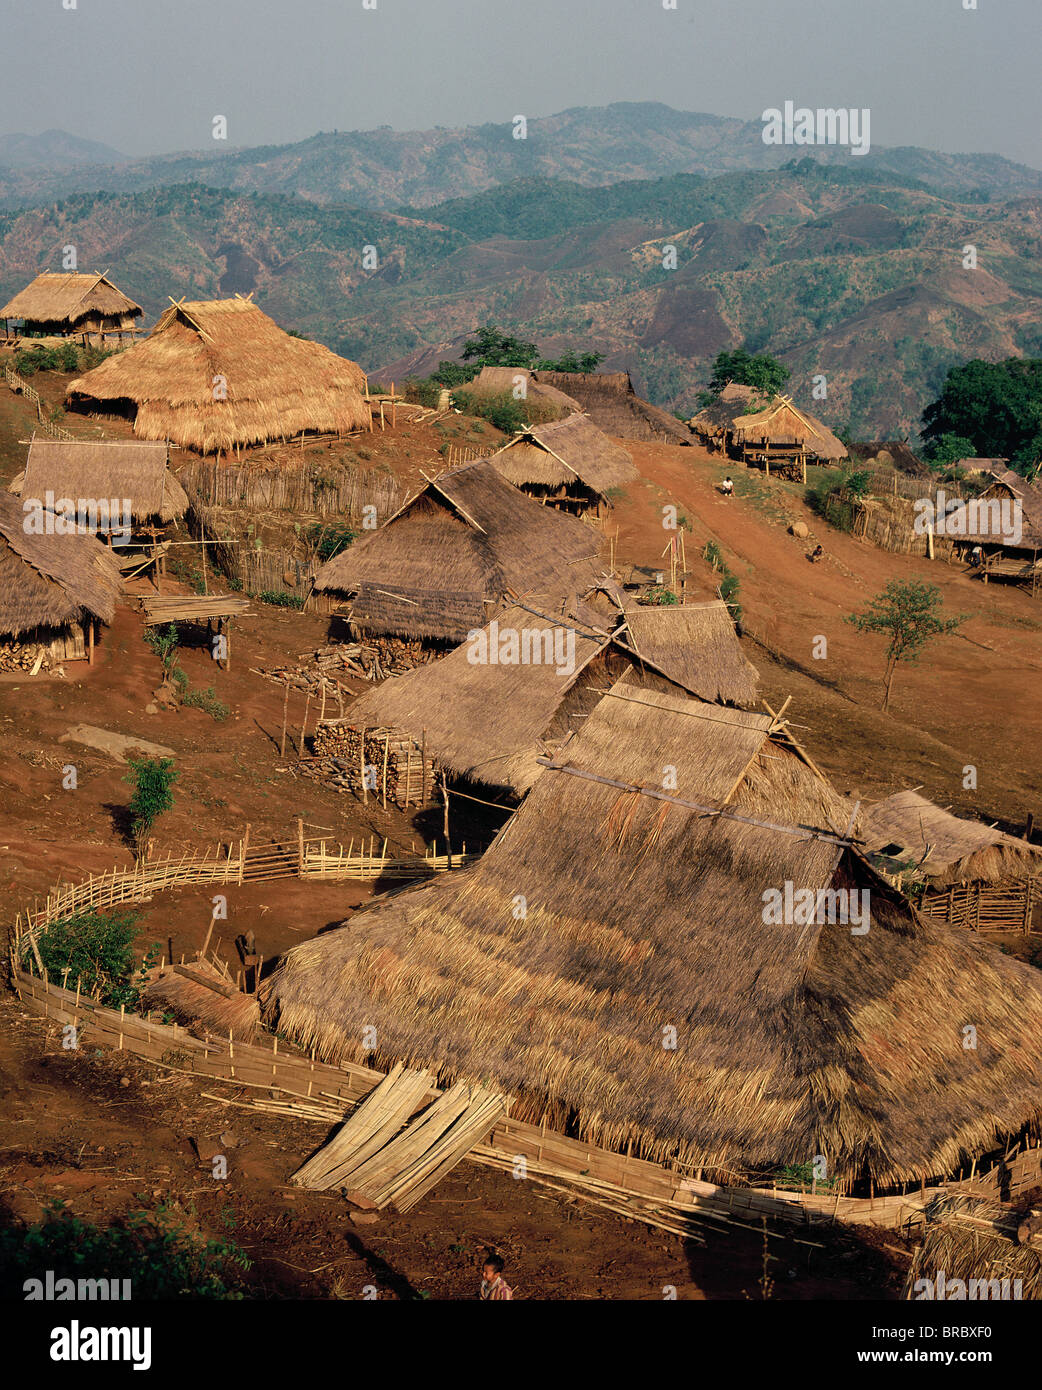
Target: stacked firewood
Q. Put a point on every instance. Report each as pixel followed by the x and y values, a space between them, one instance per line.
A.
pixel 374 660
pixel 23 656
pixel 389 763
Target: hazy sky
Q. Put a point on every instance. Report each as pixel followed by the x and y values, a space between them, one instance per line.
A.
pixel 149 75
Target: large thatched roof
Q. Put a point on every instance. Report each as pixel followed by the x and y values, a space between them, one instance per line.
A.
pixel 463 541
pixel 51 580
pixel 695 644
pixel 69 299
pixel 275 385
pixel 894 453
pixel 102 469
pixel 490 720
pixel 612 404
pixel 565 453
pixel 601 918
pixel 906 829
pixel 744 415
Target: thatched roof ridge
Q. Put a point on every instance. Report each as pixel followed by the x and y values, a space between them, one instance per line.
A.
pixel 946 849
pixel 754 418
pixel 276 385
pixel 893 451
pixel 463 540
pixel 612 404
pixel 69 298
pixel 565 452
pixel 51 580
pixel 696 645
pixel 490 721
pixel 642 914
pixel 104 469
pixel 498 380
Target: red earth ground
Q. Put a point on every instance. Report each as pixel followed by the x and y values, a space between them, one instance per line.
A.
pixel 67 1118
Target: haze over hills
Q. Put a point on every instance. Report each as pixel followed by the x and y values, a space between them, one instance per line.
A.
pixel 839 266
pixel 841 271
pixel 54 150
pixel 385 168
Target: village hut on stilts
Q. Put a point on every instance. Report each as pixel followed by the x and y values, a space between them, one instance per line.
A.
pixel 669 905
pixel 958 871
pixel 56 586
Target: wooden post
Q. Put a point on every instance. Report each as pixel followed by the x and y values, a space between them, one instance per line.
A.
pixel 244 845
pixel 300 846
pixel 202 552
pixel 90 641
pixel 361 762
pixel 304 726
pixel 285 717
pixel 445 794
pixel 387 750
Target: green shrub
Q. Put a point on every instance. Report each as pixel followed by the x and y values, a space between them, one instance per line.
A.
pixel 328 539
pixel 658 595
pixel 278 598
pixel 153 782
pixel 160 1256
pixel 96 948
pixel 164 644
pixel 207 701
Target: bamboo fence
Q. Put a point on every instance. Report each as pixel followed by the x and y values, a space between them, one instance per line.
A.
pixel 30 393
pixel 303 857
pixel 647 1192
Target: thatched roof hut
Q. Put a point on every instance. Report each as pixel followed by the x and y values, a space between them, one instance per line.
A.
pixel 612 404
pixel 891 453
pixel 49 583
pixel 104 469
pixel 498 381
pixel 608 913
pixel 969 874
pixel 980 521
pixel 695 644
pixel 459 544
pixel 67 304
pixel 512 693
pixel 219 374
pixel 568 463
pixel 769 431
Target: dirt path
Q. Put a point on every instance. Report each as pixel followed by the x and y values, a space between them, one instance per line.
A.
pixel 972 700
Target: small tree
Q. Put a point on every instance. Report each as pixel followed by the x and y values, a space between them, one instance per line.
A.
pixel 907 611
pixel 153 781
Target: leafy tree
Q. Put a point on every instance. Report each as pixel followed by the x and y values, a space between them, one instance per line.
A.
pixel 97 949
pixel 997 406
pixel 907 612
pixel 153 782
pixel 491 347
pixel 948 449
pixel 572 361
pixel 762 372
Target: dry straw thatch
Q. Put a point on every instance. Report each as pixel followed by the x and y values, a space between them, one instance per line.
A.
pixel 490 721
pixel 69 302
pixel 101 469
pixel 52 581
pixel 695 644
pixel 638 915
pixel 499 381
pixel 742 418
pixel 945 849
pixel 277 386
pixel 201 998
pixel 569 457
pixel 974 1242
pixel 612 404
pixel 463 541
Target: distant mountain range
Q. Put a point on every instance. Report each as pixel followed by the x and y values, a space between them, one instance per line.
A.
pixel 54 151
pixel 386 168
pixel 841 268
